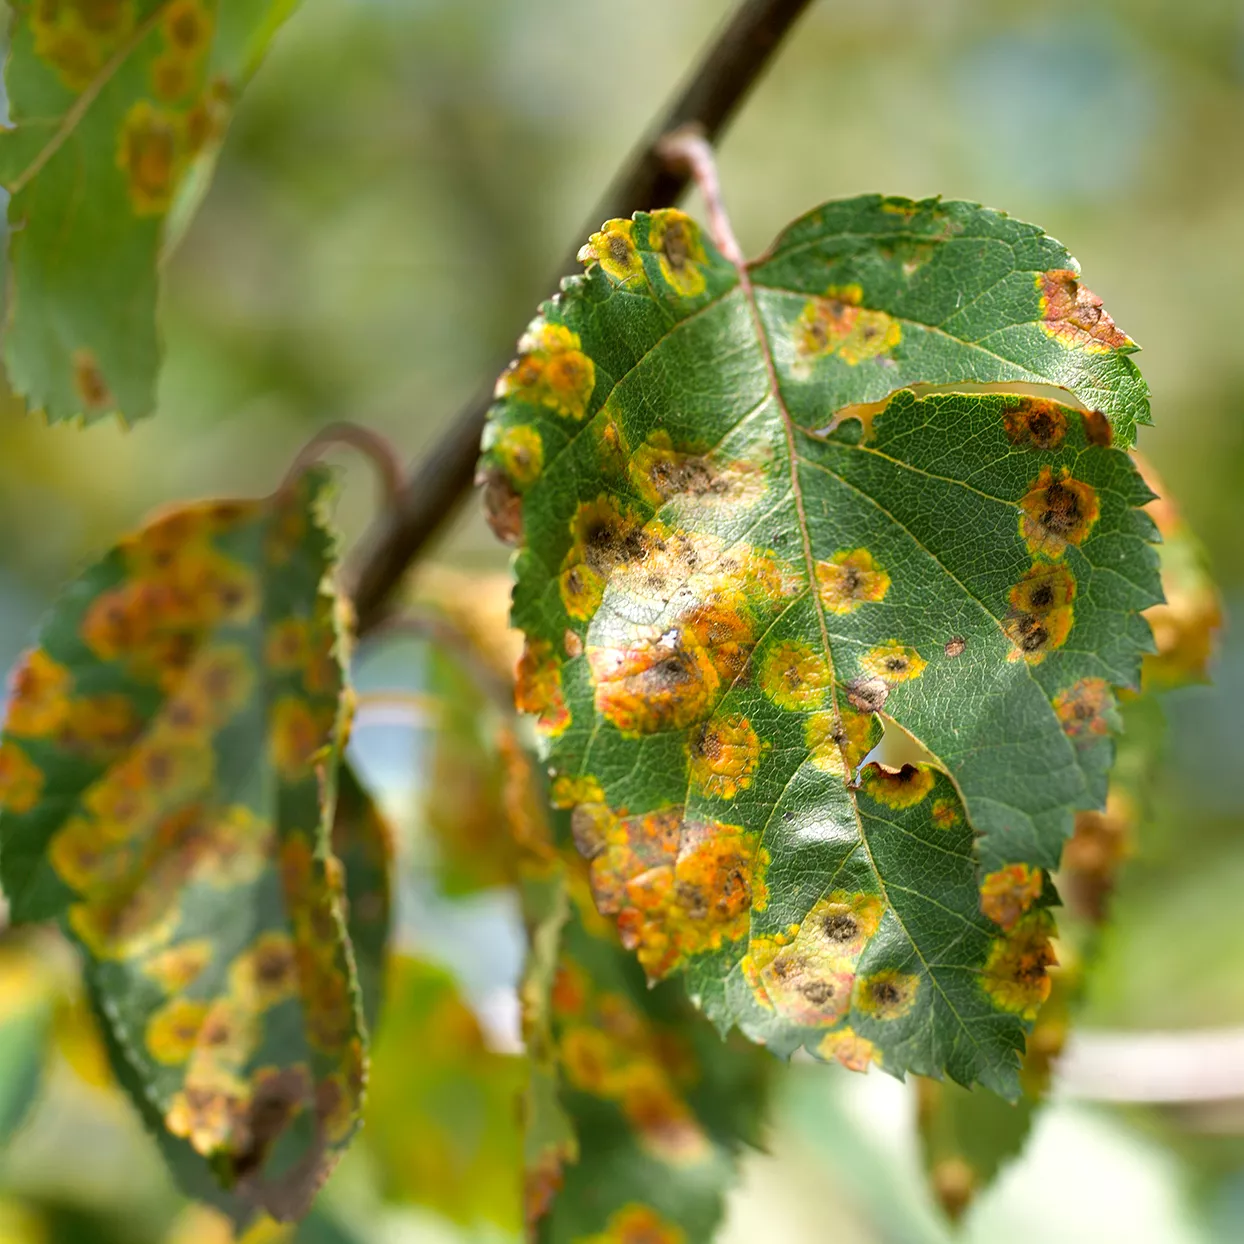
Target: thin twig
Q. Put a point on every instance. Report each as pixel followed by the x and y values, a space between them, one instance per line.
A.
pixel 729 68
pixel 377 449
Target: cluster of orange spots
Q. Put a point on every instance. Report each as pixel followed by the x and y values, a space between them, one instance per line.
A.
pixel 615 250
pixel 660 472
pixel 39 690
pixel 609 1049
pixel 178 967
pixel 888 994
pixel 298 732
pixel 675 238
pixel 1015 975
pixel 793 675
pixel 638 1224
pixel 837 324
pixel 1093 854
pixel 849 579
pixel 902 788
pixel 677 887
pixel 808 978
pixel 77 37
pixel 520 451
pixel 21 781
pixel 567 791
pixel 1074 316
pixel 1041 613
pixel 723 755
pixel 854 1052
pixel 1035 423
pixel 151 151
pixel 1008 892
pixel 551 371
pixel 837 742
pixel 946 813
pixel 187 30
pixel 538 687
pixel 893 662
pixel 1056 512
pixel 1082 707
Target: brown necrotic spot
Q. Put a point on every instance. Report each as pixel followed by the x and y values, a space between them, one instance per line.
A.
pixel 614 249
pixel 902 788
pixel 1057 511
pixel 1041 613
pixel 676 239
pixel 849 579
pixel 956 647
pixel 503 505
pixel 893 662
pixel 1074 316
pixel 1035 423
pixel 868 694
pixel 660 472
pixel 837 742
pixel 887 994
pixel 1015 975
pixel 1082 708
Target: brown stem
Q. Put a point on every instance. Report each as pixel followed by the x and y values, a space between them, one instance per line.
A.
pixel 377 449
pixel 726 72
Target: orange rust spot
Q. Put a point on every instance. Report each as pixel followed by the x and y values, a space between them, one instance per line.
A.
pixel 134 923
pixel 151 152
pixel 1007 893
pixel 1097 429
pixel 570 989
pixel 946 814
pixel 298 733
pixel 78 36
pixel 567 791
pixel 581 590
pixel 1035 423
pixel 837 324
pixel 902 789
pixel 887 994
pixel 572 643
pixel 187 27
pixel 1015 975
pixel 39 689
pixel 837 742
pixel 1092 855
pixel 1056 512
pixel 538 687
pixel 1041 613
pixel 551 371
pixel 893 662
pixel 178 967
pixel 1074 316
pixel 810 980
pixel 89 383
pixel 660 472
pixel 604 536
pixel 21 781
pixel 666 1127
pixel 666 682
pixel 520 452
pixel 849 579
pixel 638 1224
pixel 1082 708
pixel 172 76
pixel 614 249
pixel 794 676
pixel 723 755
pixel 854 1052
pixel 174 1029
pixel 675 238
pixel 722 628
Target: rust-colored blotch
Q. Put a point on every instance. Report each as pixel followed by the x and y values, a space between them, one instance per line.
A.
pixel 667 682
pixel 1074 316
pixel 675 237
pixel 538 687
pixel 551 371
pixel 845 1045
pixel 614 249
pixel 893 662
pixel 850 579
pixel 1016 974
pixel 886 995
pixel 1041 614
pixel 837 742
pixel 1035 423
pixel 836 324
pixel 902 789
pixel 1008 892
pixel 723 754
pixel 1057 511
pixel 1082 708
pixel 793 675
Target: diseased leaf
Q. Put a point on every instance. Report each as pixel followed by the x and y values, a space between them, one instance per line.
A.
pixel 732 573
pixel 170 766
pixel 118 108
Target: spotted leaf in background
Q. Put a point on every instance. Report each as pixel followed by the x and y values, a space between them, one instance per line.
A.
pixel 740 556
pixel 117 110
pixel 170 757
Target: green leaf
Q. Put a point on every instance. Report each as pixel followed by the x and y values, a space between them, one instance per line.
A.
pixel 732 574
pixel 659 1103
pixel 167 779
pixel 27 1004
pixel 118 109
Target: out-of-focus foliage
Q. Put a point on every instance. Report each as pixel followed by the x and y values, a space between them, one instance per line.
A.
pixel 117 110
pixel 731 569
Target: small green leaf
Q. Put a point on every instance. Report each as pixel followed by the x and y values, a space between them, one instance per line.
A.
pixel 118 109
pixel 169 763
pixel 743 552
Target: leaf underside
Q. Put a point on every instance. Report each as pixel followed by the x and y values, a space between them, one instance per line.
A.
pixel 118 108
pixel 741 556
pixel 166 789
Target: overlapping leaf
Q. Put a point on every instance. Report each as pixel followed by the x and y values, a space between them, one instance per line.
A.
pixel 732 572
pixel 117 109
pixel 169 769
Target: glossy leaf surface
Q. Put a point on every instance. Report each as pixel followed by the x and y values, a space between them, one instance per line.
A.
pixel 118 108
pixel 734 569
pixel 170 765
